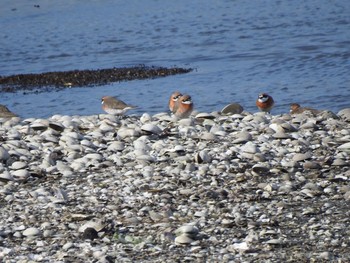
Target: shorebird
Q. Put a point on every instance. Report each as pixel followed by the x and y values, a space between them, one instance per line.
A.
pixel 265 102
pixel 114 106
pixel 184 107
pixel 173 100
pixel 295 108
pixel 5 112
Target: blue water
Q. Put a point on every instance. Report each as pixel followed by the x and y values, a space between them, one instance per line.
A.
pixel 297 51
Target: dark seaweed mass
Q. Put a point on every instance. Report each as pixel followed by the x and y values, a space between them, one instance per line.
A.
pixel 80 78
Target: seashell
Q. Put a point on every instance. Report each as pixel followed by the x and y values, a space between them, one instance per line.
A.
pixel 97 225
pixel 288 127
pixel 250 147
pixel 243 246
pixel 72 135
pixel 80 217
pixel 60 194
pixel 343 147
pixel 179 148
pixel 186 122
pixel 4 155
pixel 302 156
pixel 276 127
pixel 183 240
pixel 308 125
pixel 94 156
pixel 18 165
pixel 31 231
pixel 227 222
pixel 202 157
pixel 208 123
pixel 208 136
pixel 289 164
pixel 141 144
pixel 274 241
pixel 163 116
pixel 309 193
pixel 151 128
pixel 146 158
pixel 21 174
pixel 232 108
pixel 145 118
pixel 56 126
pixel 116 146
pixel 242 137
pixel 6 176
pixel 67 246
pixel 260 169
pixel 281 135
pixel 14 135
pixel 188 230
pixel 326 114
pixel 204 115
pixel 260 117
pixel 127 132
pixel 339 162
pixel 345 114
pixel 311 165
pixel 50 138
pixel 105 127
pixel 39 125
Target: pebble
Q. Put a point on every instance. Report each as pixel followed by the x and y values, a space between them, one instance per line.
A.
pixel 222 187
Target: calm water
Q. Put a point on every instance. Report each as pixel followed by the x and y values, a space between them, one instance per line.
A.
pixel 298 51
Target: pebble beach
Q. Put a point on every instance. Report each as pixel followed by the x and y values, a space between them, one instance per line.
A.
pixel 248 187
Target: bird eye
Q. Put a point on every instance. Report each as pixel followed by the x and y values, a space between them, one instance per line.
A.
pixel 187 101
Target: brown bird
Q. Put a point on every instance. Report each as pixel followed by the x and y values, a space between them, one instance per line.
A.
pixel 265 102
pixel 184 107
pixel 5 112
pixel 295 108
pixel 173 101
pixel 114 106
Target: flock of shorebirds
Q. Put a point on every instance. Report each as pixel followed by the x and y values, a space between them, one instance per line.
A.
pixel 181 105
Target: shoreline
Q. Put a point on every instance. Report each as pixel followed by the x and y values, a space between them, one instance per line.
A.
pixel 243 187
